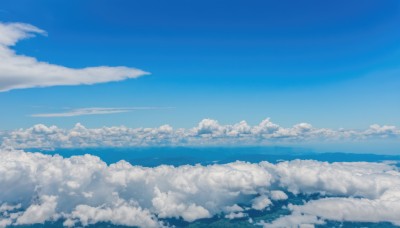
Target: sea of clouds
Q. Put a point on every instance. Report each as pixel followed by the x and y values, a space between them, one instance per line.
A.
pixel 82 190
pixel 207 132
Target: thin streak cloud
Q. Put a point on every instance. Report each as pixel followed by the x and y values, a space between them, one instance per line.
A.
pixel 93 111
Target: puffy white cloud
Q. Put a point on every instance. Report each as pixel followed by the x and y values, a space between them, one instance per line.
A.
pixel 361 179
pixel 278 195
pixel 294 220
pixel 120 215
pixel 370 192
pixel 208 132
pixel 235 215
pixel 385 208
pixel 169 204
pixel 39 213
pixel 19 71
pixel 261 202
pixel 83 190
pixel 382 131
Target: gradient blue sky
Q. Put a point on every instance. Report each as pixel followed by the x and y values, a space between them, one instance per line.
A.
pixel 329 63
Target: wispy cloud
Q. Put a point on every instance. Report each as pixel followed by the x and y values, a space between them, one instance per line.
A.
pixel 93 111
pixel 18 71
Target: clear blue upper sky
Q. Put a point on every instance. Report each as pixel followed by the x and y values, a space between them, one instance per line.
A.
pixel 329 63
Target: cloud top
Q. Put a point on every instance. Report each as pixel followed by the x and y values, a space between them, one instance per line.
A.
pixel 18 71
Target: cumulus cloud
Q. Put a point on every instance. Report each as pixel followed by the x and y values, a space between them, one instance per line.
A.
pixel 261 202
pixel 92 111
pixel 207 132
pixel 120 215
pixel 364 192
pixel 295 220
pixel 83 190
pixel 39 213
pixel 19 71
pixel 384 208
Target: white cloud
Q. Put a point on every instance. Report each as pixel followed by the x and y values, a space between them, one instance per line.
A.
pixel 278 195
pixel 207 132
pixel 84 190
pixel 385 208
pixel 365 192
pixel 294 220
pixel 303 176
pixel 119 190
pixel 120 215
pixel 39 213
pixel 19 71
pixel 92 111
pixel 261 202
pixel 235 215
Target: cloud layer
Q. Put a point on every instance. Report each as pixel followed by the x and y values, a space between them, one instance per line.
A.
pixel 207 132
pixel 35 188
pixel 18 71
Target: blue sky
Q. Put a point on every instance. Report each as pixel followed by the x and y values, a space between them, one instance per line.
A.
pixel 332 64
pixel 181 75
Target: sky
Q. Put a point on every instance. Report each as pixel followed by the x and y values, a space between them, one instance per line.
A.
pixel 263 83
pixel 333 64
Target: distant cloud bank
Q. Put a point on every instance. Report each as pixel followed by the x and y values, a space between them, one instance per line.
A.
pixel 207 132
pixel 19 71
pixel 83 190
